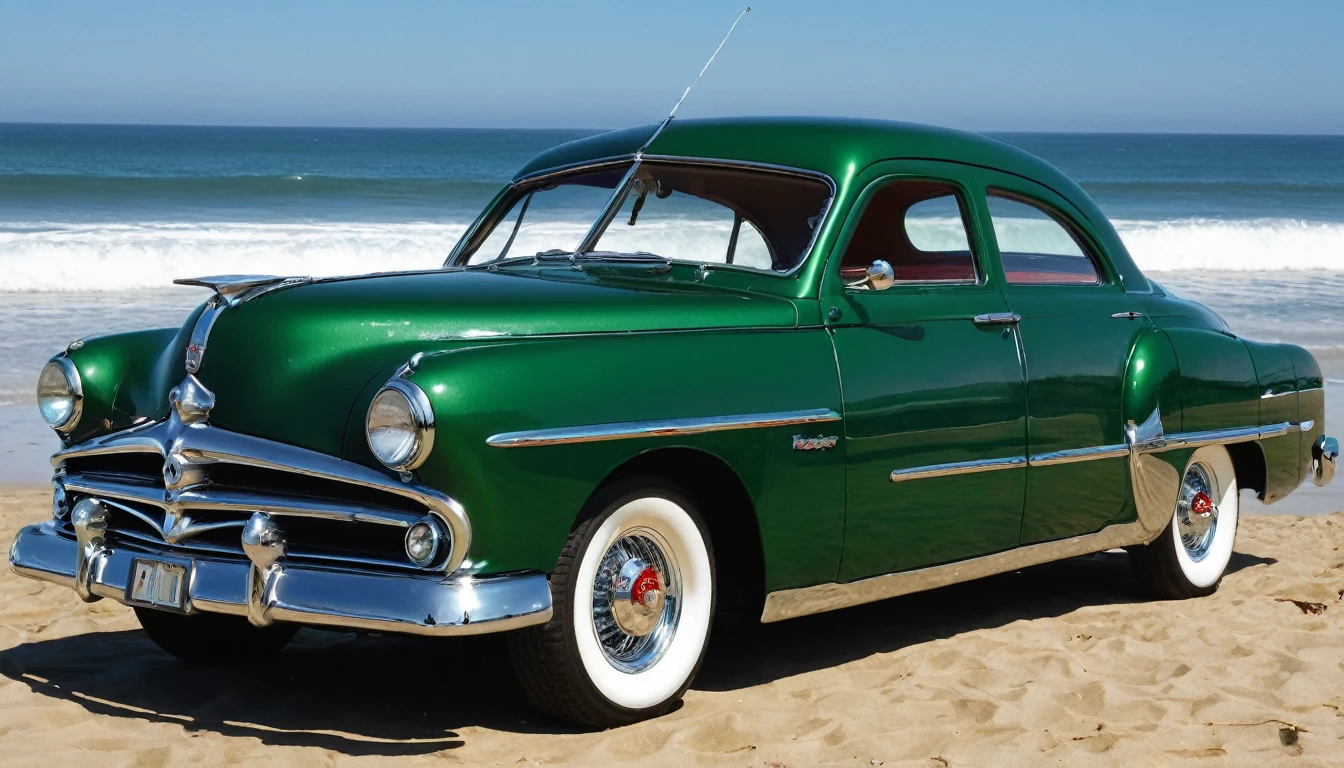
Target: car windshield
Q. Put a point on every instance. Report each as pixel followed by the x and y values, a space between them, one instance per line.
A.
pixel 691 212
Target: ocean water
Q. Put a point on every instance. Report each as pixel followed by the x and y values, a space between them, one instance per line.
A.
pixel 96 221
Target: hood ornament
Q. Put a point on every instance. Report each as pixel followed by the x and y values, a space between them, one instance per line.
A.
pixel 230 291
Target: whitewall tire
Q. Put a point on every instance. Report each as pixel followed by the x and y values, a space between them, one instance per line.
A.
pixel 633 594
pixel 1190 556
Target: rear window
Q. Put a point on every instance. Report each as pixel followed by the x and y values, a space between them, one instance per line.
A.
pixel 1035 247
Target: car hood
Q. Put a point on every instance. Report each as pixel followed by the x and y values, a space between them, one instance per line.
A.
pixel 290 365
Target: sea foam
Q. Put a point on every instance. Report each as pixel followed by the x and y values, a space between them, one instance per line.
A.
pixel 127 256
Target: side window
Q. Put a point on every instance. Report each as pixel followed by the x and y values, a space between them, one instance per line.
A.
pixel 1035 247
pixel 919 227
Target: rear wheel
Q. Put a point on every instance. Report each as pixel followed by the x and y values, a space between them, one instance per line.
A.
pixel 633 595
pixel 1189 558
pixel 210 639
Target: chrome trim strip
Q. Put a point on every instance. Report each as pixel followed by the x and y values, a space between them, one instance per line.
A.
pixel 1079 454
pixel 579 167
pixel 803 601
pixel 203 444
pixel 957 468
pixel 636 429
pixel 1154 496
pixel 416 604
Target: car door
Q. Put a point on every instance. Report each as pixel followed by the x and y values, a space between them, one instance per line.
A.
pixel 932 385
pixel 1077 328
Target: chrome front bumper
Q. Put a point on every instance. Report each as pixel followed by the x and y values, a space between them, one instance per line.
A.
pixel 1324 456
pixel 419 604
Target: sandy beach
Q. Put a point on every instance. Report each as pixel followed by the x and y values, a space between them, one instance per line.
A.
pixel 1061 664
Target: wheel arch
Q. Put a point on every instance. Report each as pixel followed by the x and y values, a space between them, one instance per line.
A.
pixel 1248 463
pixel 727 509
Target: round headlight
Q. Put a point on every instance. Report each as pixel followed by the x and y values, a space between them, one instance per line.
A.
pixel 59 396
pixel 400 425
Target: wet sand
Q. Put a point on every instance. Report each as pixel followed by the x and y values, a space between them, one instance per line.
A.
pixel 1062 664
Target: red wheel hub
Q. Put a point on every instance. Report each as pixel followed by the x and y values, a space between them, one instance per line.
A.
pixel 647 580
pixel 1201 504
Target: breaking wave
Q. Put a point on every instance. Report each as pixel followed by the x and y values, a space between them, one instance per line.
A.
pixel 110 257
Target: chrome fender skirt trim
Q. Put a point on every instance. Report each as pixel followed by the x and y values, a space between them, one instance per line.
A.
pixel 792 603
pixel 414 604
pixel 634 429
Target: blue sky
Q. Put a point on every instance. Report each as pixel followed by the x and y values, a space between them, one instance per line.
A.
pixel 1233 66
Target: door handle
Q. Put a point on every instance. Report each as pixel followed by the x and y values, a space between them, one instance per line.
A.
pixel 998 318
pixel 1127 315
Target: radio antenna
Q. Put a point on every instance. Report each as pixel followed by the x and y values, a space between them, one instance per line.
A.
pixel 687 92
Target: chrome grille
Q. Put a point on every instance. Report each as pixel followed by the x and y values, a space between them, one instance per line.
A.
pixel 192 489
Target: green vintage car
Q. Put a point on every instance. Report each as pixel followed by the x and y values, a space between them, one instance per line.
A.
pixel 763 367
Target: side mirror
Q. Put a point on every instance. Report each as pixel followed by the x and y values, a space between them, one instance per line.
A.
pixel 880 277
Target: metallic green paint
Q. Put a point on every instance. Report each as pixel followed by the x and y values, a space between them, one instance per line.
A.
pixel 537 347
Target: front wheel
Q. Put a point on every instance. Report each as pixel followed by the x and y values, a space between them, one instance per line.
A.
pixel 210 639
pixel 1189 558
pixel 633 595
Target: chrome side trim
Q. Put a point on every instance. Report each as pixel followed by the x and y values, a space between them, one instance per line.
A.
pixel 636 429
pixel 202 444
pixel 957 468
pixel 1306 426
pixel 418 604
pixel 1271 394
pixel 792 603
pixel 1155 486
pixel 1079 454
pixel 1223 436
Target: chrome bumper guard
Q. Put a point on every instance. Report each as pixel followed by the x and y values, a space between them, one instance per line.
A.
pixel 415 604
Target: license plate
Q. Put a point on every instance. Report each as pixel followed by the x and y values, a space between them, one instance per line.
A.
pixel 156 583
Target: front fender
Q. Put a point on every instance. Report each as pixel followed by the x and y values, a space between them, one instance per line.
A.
pixel 126 378
pixel 523 501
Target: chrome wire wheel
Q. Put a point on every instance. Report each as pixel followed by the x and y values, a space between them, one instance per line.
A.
pixel 1196 511
pixel 636 599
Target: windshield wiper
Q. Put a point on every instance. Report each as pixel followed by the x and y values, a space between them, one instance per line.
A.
pixel 637 257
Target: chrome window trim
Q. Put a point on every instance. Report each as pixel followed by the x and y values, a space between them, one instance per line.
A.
pixel 957 468
pixel 638 429
pixel 619 194
pixel 563 170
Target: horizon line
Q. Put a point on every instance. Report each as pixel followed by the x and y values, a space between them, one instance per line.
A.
pixel 276 126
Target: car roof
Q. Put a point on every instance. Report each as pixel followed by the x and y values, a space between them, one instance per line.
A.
pixel 833 146
pixel 836 147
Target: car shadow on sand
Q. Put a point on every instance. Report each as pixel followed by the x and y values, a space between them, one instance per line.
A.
pixel 366 695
